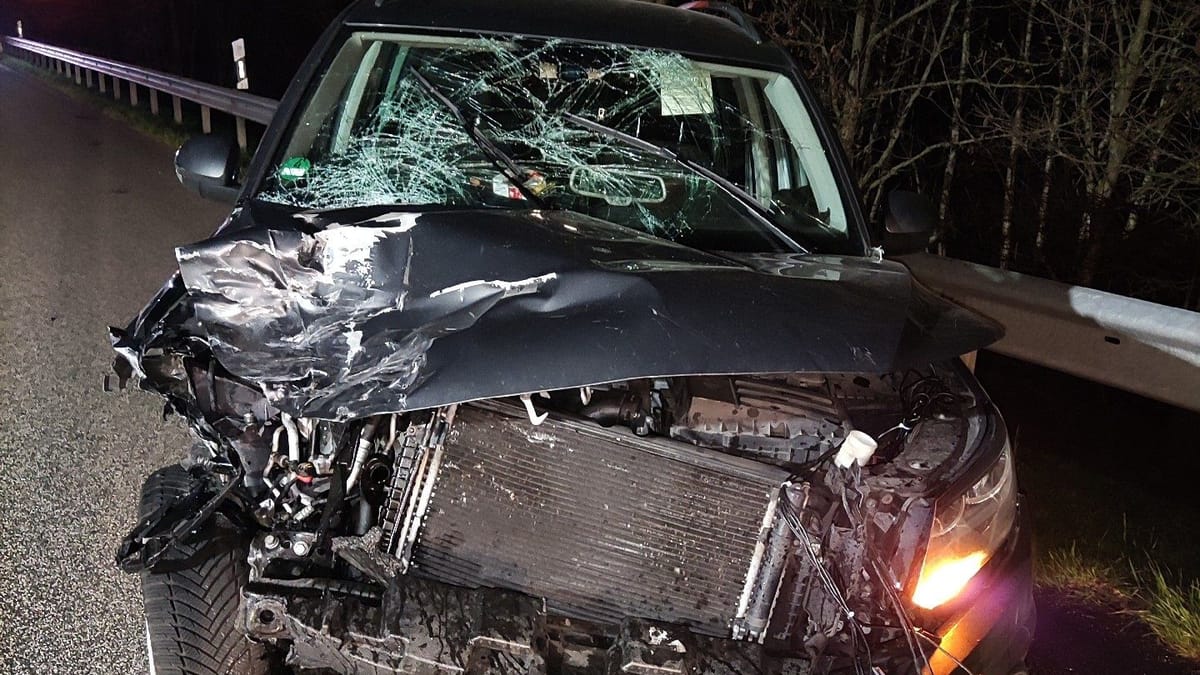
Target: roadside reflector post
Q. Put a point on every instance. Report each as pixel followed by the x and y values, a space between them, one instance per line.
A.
pixel 241 132
pixel 239 64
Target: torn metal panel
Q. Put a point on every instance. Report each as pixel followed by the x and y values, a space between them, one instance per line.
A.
pixel 346 314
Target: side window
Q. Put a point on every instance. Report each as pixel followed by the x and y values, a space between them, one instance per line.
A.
pixel 813 194
pixel 793 191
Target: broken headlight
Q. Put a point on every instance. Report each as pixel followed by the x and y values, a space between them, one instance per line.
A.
pixel 967 530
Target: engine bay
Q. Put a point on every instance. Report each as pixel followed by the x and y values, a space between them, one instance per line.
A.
pixel 646 525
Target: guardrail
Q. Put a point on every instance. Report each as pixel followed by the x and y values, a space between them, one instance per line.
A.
pixel 1131 344
pixel 1138 346
pixel 241 105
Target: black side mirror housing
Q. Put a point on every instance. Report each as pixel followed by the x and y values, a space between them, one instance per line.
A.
pixel 908 224
pixel 208 165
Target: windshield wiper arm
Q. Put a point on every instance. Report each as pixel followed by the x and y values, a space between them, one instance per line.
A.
pixel 505 164
pixel 731 188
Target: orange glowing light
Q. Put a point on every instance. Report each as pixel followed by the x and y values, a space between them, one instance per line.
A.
pixel 943 579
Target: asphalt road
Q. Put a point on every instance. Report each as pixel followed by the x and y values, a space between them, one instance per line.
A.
pixel 89 214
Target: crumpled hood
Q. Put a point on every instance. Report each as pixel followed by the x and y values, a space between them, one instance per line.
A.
pixel 350 313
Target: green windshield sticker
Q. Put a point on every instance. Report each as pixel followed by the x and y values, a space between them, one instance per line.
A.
pixel 294 168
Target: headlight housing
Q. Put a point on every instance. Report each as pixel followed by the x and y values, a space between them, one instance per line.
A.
pixel 967 530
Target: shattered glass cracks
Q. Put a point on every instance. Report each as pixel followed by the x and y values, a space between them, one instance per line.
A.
pixel 394 136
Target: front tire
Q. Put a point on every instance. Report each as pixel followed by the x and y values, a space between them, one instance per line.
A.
pixel 192 606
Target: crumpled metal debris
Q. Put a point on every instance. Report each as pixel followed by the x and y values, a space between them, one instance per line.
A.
pixel 345 314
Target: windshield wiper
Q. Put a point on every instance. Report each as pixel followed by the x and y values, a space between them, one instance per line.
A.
pixel 504 164
pixel 732 189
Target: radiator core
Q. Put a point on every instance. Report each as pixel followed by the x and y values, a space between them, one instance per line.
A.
pixel 601 523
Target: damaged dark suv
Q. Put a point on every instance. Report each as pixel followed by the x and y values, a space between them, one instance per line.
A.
pixel 548 337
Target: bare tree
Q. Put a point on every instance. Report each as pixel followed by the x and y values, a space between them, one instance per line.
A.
pixel 957 103
pixel 1123 95
pixel 1092 106
pixel 877 63
pixel 1015 132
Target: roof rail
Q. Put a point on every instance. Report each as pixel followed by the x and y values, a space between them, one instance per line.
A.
pixel 730 13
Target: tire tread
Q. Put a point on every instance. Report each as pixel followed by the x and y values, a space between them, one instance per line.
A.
pixel 192 613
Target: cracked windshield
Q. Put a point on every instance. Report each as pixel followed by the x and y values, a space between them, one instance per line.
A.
pixel 710 156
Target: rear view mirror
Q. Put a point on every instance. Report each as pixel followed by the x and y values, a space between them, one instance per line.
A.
pixel 208 165
pixel 617 186
pixel 908 224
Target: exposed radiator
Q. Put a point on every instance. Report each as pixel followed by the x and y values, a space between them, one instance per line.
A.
pixel 602 523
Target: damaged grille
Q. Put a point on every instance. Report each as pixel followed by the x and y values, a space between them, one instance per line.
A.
pixel 602 523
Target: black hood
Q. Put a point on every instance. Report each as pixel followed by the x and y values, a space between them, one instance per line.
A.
pixel 350 313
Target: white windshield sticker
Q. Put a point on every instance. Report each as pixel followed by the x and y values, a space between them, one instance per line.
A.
pixel 686 91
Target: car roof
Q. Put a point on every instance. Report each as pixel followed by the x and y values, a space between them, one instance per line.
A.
pixel 626 22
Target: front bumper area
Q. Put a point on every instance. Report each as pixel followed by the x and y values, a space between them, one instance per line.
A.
pixel 427 627
pixel 421 626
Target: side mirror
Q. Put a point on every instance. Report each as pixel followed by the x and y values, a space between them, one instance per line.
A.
pixel 908 224
pixel 208 166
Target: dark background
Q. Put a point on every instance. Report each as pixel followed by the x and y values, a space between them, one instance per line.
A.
pixel 184 37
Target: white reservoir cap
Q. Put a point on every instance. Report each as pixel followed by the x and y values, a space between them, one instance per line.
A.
pixel 857 448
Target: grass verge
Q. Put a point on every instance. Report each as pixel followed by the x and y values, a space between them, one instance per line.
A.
pixel 139 117
pixel 1107 478
pixel 1090 559
pixel 1173 611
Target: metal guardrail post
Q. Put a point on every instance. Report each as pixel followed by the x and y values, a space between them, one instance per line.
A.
pixel 154 102
pixel 240 123
pixel 101 76
pixel 133 94
pixel 206 119
pixel 87 76
pixel 116 89
pixel 177 105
